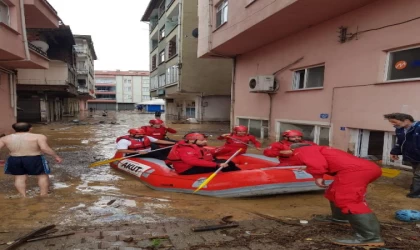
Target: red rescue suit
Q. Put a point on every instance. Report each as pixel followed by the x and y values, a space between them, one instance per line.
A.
pixel 351 174
pixel 285 160
pixel 185 156
pixel 158 133
pixel 136 144
pixel 234 143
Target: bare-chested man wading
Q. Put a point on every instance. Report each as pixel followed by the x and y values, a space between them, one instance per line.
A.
pixel 26 157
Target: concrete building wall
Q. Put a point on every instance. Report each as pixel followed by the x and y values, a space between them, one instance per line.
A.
pixel 213 108
pixel 207 76
pixel 347 110
pixel 137 89
pixel 7 103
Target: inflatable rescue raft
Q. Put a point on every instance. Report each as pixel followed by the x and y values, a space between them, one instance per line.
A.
pixel 259 176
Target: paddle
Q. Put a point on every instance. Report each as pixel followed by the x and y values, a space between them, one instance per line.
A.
pixel 100 163
pixel 217 171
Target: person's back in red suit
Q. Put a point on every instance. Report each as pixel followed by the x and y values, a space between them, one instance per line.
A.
pixel 352 175
pixel 238 139
pixel 281 149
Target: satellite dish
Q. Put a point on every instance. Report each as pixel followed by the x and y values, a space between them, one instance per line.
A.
pixel 195 33
pixel 41 45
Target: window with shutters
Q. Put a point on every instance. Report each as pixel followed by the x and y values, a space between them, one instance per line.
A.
pixel 221 13
pixel 154 64
pixel 172 50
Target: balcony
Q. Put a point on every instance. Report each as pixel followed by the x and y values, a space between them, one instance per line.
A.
pixel 38 58
pixel 11 46
pixel 82 71
pixel 40 14
pixel 281 19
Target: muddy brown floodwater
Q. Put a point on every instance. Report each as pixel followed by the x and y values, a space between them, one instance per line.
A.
pixel 93 197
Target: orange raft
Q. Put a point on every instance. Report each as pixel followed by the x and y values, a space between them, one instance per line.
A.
pixel 260 176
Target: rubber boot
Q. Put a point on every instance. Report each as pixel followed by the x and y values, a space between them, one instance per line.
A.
pixel 415 186
pixel 336 216
pixel 367 229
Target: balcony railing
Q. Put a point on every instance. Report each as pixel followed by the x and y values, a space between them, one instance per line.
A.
pixel 83 90
pixel 43 82
pixel 37 50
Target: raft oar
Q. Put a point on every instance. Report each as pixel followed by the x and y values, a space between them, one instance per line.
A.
pixel 100 163
pixel 217 171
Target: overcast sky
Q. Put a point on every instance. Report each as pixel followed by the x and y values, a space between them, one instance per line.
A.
pixel 120 39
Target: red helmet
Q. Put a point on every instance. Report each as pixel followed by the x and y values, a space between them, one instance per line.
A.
pixel 240 128
pixel 155 122
pixel 137 131
pixel 195 136
pixel 289 133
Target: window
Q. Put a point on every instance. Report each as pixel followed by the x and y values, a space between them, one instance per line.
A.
pixel 162 33
pixel 105 80
pixel 404 64
pixel 127 89
pixel 172 47
pixel 145 89
pixel 154 82
pixel 162 80
pixel 258 128
pixel 222 13
pixel 4 13
pixel 145 97
pixel 105 97
pixel 309 78
pixel 154 64
pixel 316 133
pixel 172 74
pixel 162 57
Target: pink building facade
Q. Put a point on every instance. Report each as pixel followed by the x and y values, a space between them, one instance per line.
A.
pixel 338 67
pixel 16 52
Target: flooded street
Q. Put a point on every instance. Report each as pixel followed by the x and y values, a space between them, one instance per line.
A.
pixel 100 196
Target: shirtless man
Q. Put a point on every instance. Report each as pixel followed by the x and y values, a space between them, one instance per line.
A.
pixel 26 157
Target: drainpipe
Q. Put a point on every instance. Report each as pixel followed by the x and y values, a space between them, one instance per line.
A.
pixel 179 44
pixel 25 36
pixel 232 94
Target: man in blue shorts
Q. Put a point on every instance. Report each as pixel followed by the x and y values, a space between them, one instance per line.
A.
pixel 26 157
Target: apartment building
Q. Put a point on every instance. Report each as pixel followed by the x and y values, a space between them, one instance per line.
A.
pixel 328 68
pixel 17 51
pixel 46 95
pixel 192 87
pixel 120 90
pixel 86 57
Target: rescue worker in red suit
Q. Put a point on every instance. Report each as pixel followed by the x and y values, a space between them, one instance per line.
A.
pixel 352 175
pixel 236 140
pixel 281 149
pixel 136 142
pixel 157 130
pixel 189 157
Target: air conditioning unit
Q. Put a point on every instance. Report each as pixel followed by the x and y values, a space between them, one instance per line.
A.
pixel 262 84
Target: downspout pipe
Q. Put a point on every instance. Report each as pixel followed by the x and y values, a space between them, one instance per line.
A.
pixel 23 23
pixel 232 94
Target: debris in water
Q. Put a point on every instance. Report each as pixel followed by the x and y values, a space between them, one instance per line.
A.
pixel 85 141
pixel 111 202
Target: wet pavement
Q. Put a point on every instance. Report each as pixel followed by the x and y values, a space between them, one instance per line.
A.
pixel 89 201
